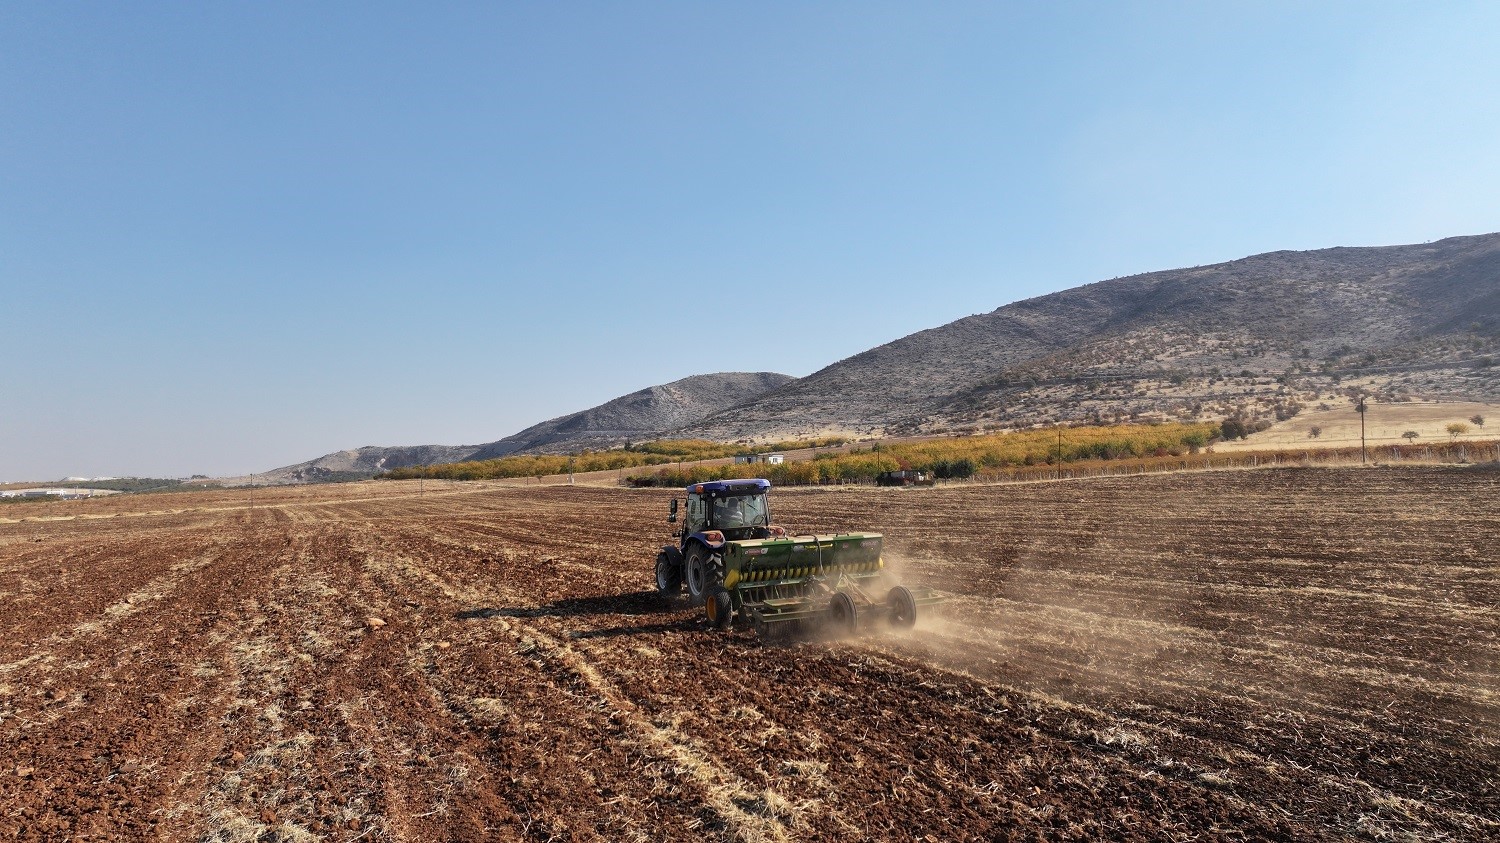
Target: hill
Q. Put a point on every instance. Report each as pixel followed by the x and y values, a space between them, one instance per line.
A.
pixel 363 462
pixel 645 414
pixel 1258 336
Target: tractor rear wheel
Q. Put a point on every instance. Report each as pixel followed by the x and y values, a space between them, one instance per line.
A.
pixel 704 571
pixel 668 575
pixel 720 608
pixel 903 607
pixel 843 614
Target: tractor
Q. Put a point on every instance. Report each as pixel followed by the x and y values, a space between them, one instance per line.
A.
pixel 743 568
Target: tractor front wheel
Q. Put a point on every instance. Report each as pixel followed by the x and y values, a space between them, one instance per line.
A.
pixel 704 572
pixel 720 608
pixel 668 575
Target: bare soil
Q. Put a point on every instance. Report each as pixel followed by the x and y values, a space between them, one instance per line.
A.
pixel 1307 654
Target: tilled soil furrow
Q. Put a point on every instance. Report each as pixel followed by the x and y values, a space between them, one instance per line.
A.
pixel 78 576
pixel 1098 651
pixel 112 609
pixel 780 779
pixel 1228 734
pixel 604 727
pixel 288 765
pixel 1280 654
pixel 111 737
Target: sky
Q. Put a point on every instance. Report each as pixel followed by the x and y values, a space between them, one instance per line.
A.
pixel 235 236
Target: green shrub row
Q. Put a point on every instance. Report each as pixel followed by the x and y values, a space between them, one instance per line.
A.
pixel 635 455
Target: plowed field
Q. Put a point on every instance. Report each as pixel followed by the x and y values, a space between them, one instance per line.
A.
pixel 1277 654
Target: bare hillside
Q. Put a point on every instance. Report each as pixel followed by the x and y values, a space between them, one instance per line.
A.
pixel 1262 337
pixel 1252 334
pixel 649 413
pixel 363 462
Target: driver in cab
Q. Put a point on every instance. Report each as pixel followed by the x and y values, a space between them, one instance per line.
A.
pixel 729 513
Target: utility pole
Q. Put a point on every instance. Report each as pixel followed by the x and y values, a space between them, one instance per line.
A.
pixel 1360 408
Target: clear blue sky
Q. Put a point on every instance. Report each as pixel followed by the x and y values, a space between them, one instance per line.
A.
pixel 235 236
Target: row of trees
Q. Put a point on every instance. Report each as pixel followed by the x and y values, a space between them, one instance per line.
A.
pixel 661 452
pixel 129 484
pixel 954 458
pixel 959 457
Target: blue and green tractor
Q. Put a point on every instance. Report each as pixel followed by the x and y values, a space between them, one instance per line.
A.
pixel 745 570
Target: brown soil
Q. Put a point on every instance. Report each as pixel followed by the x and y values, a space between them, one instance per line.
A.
pixel 1286 654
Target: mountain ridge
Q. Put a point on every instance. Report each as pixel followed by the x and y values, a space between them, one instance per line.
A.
pixel 1266 314
pixel 1254 337
pixel 644 414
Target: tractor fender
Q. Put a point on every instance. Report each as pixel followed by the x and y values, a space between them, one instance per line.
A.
pixel 711 539
pixel 674 554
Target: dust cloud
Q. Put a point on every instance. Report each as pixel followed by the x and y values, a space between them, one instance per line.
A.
pixel 1030 627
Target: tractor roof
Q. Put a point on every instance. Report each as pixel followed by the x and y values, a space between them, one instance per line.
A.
pixel 742 487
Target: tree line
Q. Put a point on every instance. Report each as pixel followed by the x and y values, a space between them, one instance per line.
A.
pixel 959 458
pixel 631 455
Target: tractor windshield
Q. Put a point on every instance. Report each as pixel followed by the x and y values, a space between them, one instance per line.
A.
pixel 733 512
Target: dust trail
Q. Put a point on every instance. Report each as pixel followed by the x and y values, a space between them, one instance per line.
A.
pixel 1027 629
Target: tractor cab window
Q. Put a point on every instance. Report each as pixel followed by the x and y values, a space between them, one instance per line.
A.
pixel 737 511
pixel 697 513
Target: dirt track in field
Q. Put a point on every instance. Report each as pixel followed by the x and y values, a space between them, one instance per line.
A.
pixel 1281 654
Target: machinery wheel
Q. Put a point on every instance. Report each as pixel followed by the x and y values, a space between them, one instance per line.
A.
pixel 843 614
pixel 703 571
pixel 769 632
pixel 903 607
pixel 668 576
pixel 720 608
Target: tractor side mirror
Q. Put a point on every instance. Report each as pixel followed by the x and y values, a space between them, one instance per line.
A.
pixel 672 513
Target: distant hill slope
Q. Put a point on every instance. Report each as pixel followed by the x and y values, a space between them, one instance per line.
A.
pixel 364 462
pixel 1171 344
pixel 1259 337
pixel 649 413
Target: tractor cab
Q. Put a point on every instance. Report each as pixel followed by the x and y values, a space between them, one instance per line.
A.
pixel 736 508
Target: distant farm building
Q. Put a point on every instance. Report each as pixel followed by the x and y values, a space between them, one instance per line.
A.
pixel 904 478
pixel 773 459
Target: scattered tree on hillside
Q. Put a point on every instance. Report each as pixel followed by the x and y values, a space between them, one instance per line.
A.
pixel 1234 428
pixel 1457 429
pixel 1477 419
pixel 1314 432
pixel 1410 435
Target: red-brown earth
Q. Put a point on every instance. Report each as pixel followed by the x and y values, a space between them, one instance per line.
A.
pixel 1275 654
